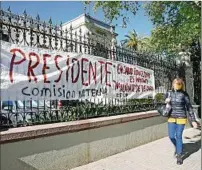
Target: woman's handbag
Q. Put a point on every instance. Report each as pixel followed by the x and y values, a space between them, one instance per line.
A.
pixel 165 111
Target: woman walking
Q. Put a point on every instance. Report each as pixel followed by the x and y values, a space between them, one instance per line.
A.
pixel 178 103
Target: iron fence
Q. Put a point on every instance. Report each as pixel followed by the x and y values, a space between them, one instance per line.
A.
pixel 27 31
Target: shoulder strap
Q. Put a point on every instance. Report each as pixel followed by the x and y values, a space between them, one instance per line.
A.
pixel 169 93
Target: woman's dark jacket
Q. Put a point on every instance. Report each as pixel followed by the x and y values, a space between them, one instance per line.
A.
pixel 180 104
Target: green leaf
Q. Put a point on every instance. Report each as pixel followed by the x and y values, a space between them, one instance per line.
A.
pixel 175 23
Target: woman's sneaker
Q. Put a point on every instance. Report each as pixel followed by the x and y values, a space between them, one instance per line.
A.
pixel 179 160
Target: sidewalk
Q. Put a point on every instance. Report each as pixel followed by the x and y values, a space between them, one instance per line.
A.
pixel 157 155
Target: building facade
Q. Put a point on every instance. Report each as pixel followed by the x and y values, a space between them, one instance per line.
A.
pixel 101 35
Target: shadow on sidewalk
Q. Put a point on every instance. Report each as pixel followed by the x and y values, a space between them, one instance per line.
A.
pixel 190 148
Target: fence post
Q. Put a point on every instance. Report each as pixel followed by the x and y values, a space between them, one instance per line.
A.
pixel 189 83
pixel 186 72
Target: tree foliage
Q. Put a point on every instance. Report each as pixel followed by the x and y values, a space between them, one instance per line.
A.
pixel 177 24
pixel 114 9
pixel 145 45
pixel 131 40
pixel 138 43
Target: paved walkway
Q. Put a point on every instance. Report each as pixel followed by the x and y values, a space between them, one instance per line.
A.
pixel 157 155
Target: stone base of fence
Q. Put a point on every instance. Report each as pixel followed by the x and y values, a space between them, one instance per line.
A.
pixel 64 146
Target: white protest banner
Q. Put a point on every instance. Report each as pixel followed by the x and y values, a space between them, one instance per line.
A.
pixel 42 74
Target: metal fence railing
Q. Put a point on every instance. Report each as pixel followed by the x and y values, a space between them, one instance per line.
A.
pixel 18 113
pixel 27 31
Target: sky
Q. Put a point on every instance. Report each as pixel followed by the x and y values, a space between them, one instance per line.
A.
pixel 64 11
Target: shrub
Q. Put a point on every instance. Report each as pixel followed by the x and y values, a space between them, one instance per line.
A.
pixel 140 101
pixel 159 97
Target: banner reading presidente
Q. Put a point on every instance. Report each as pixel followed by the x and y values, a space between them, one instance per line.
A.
pixel 34 73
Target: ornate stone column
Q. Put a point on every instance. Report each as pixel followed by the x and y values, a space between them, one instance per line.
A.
pixel 186 72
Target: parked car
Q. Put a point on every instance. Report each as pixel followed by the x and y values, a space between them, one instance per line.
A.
pixel 12 105
pixel 46 109
pixel 38 104
pixel 15 113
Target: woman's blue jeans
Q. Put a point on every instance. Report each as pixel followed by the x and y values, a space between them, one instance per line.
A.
pixel 175 134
